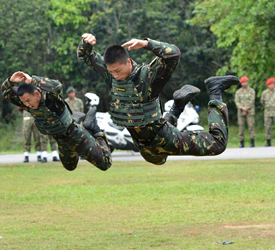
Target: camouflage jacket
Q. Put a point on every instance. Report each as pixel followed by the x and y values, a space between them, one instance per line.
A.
pixel 50 89
pixel 152 77
pixel 268 101
pixel 245 98
pixel 75 105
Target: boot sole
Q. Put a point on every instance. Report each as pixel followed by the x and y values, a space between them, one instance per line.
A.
pixel 186 93
pixel 221 82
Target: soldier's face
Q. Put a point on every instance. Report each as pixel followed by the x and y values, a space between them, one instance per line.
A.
pixel 120 71
pixel 71 95
pixel 244 84
pixel 271 86
pixel 31 100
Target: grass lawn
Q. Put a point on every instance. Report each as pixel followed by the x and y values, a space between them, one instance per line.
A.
pixel 135 205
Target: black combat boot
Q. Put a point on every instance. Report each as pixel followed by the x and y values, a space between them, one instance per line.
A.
pixel 182 97
pixel 90 122
pixel 39 158
pixel 26 159
pixel 78 116
pixel 44 160
pixel 218 84
pixel 55 158
pixel 268 143
pixel 252 143
pixel 241 144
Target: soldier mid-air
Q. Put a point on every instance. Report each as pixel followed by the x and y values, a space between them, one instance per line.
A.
pixel 135 91
pixel 42 98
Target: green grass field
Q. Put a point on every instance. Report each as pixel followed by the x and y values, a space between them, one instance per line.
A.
pixel 136 205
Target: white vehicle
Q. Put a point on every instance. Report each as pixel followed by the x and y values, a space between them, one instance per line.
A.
pixel 188 119
pixel 118 136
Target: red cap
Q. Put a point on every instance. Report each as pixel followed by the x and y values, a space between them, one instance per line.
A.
pixel 243 79
pixel 270 80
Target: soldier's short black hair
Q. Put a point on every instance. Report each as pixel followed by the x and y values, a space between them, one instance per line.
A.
pixel 115 53
pixel 25 88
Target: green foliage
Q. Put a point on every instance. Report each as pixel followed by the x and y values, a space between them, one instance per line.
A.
pixel 248 28
pixel 41 38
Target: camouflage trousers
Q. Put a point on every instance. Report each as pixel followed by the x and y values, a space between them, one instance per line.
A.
pixel 268 121
pixel 250 119
pixel 44 142
pixel 170 141
pixel 29 128
pixel 79 142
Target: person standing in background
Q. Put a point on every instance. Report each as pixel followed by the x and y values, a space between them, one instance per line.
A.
pixel 268 101
pixel 245 102
pixel 76 104
pixel 30 129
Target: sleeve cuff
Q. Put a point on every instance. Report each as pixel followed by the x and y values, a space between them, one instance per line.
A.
pixel 86 46
pixel 149 45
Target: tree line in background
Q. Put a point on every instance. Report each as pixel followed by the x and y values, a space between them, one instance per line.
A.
pixel 215 37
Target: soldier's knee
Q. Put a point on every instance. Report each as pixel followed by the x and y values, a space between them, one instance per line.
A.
pixel 219 150
pixel 105 166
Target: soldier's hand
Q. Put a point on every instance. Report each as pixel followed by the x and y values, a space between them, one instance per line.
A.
pixel 245 109
pixel 89 38
pixel 135 44
pixel 28 78
pixel 20 76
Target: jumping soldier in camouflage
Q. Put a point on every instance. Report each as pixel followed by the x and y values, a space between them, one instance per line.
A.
pixel 268 101
pixel 245 102
pixel 135 103
pixel 42 98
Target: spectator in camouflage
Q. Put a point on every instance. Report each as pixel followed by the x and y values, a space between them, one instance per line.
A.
pixel 245 102
pixel 76 104
pixel 30 129
pixel 268 101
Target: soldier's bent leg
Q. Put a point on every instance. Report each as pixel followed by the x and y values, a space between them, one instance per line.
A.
pixel 170 141
pixel 68 157
pixel 173 120
pixel 94 149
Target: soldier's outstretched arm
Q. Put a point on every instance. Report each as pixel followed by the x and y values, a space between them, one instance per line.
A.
pixel 162 67
pixel 87 53
pixel 49 85
pixel 135 44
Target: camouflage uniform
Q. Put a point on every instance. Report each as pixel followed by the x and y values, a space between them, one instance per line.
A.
pixel 75 105
pixel 49 117
pixel 29 128
pixel 246 98
pixel 161 138
pixel 268 101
